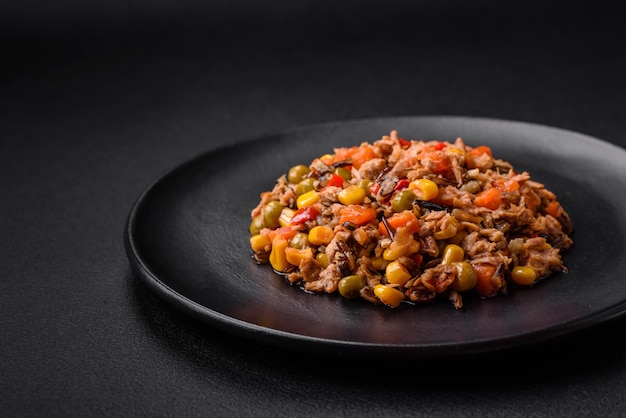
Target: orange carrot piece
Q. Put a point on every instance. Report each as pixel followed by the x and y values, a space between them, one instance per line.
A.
pixel 439 160
pixel 485 285
pixel 490 198
pixel 405 218
pixel 285 232
pixel 507 185
pixel 357 214
pixel 358 155
pixel 480 150
pixel 344 153
pixel 361 155
pixel 554 209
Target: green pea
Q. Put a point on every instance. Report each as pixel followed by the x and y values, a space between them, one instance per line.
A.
pixel 299 241
pixel 350 286
pixel 343 173
pixel 524 275
pixel 271 213
pixel 403 200
pixel 365 185
pixel 466 278
pixel 304 186
pixel 257 224
pixel 297 173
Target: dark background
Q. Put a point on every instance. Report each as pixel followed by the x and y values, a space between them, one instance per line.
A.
pixel 98 99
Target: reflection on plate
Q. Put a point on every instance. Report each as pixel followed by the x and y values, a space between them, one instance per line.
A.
pixel 187 237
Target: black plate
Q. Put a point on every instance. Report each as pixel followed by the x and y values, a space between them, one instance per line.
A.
pixel 187 237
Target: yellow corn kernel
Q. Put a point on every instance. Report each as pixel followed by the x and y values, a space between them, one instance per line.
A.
pixel 351 195
pixel 388 295
pixel 320 234
pixel 449 230
pixel 308 199
pixel 285 216
pixel 523 275
pixel 278 259
pixel 260 242
pixel 322 258
pixel 379 263
pixel 396 250
pixel 396 273
pixel 327 159
pixel 452 253
pixel 457 151
pixel 424 189
pixel 389 254
pixel 295 256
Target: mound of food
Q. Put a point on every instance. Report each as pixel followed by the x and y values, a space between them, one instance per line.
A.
pixel 410 220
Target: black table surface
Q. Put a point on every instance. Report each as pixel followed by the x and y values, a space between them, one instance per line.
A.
pixel 98 101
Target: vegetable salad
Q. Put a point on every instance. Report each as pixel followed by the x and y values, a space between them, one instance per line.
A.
pixel 410 221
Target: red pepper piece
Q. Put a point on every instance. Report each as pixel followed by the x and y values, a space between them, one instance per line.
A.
pixel 336 180
pixel 404 143
pixel 304 214
pixel 402 184
pixel 417 259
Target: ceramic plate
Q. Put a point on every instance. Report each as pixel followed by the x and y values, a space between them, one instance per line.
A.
pixel 187 237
